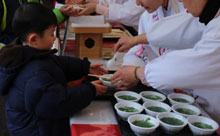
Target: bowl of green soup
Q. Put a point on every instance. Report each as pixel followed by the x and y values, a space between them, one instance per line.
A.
pixel 152 96
pixel 200 125
pixel 171 123
pixel 186 110
pixel 125 109
pixel 142 124
pixel 106 80
pixel 177 98
pixel 153 108
pixel 127 96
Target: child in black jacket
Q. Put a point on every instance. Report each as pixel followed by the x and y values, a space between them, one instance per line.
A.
pixel 39 103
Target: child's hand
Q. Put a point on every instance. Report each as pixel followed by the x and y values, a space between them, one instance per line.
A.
pixel 97 69
pixel 100 89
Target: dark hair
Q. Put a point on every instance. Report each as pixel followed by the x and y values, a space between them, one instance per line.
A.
pixel 32 18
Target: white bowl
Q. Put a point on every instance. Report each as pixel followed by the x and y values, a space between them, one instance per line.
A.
pixel 163 97
pixel 123 114
pixel 107 83
pixel 141 130
pixel 171 129
pixel 173 96
pixel 200 131
pixel 148 104
pixel 129 93
pixel 175 107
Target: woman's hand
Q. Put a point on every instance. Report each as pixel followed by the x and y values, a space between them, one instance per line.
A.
pixel 124 44
pixel 100 89
pixel 126 77
pixel 68 10
pixel 88 9
pixel 97 69
pixel 76 2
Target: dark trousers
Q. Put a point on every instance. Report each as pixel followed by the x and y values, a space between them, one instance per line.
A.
pixel 3 126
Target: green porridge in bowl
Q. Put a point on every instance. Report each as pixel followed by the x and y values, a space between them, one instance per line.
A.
pixel 157 109
pixel 172 121
pixel 128 109
pixel 202 125
pixel 186 111
pixel 152 97
pixel 108 79
pixel 127 97
pixel 143 123
pixel 181 100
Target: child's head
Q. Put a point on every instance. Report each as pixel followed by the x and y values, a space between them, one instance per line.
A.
pixel 34 25
pixel 151 5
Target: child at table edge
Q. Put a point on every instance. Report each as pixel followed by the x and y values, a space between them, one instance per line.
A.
pixel 34 79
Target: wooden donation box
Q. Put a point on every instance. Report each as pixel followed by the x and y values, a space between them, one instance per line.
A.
pixel 89 31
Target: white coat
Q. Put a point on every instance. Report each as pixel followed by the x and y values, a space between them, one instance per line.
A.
pixel 140 54
pixel 123 11
pixel 197 68
pixel 179 31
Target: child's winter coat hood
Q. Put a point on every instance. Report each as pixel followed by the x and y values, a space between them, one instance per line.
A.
pixel 12 58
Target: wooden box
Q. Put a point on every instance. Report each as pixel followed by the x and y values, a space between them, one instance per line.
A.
pixel 88 41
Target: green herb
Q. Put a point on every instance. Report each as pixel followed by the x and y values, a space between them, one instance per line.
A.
pixel 180 100
pixel 172 121
pixel 147 119
pixel 157 109
pixel 128 109
pixel 127 97
pixel 202 125
pixel 153 97
pixel 143 123
pixel 186 111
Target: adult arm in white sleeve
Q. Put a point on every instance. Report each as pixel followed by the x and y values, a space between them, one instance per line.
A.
pixel 180 31
pixel 108 2
pixel 127 13
pixel 131 58
pixel 190 68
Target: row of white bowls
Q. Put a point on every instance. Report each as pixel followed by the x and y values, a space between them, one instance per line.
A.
pixel 171 129
pixel 139 96
pixel 150 103
pixel 124 115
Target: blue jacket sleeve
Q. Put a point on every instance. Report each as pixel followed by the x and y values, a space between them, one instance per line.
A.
pixel 49 99
pixel 74 68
